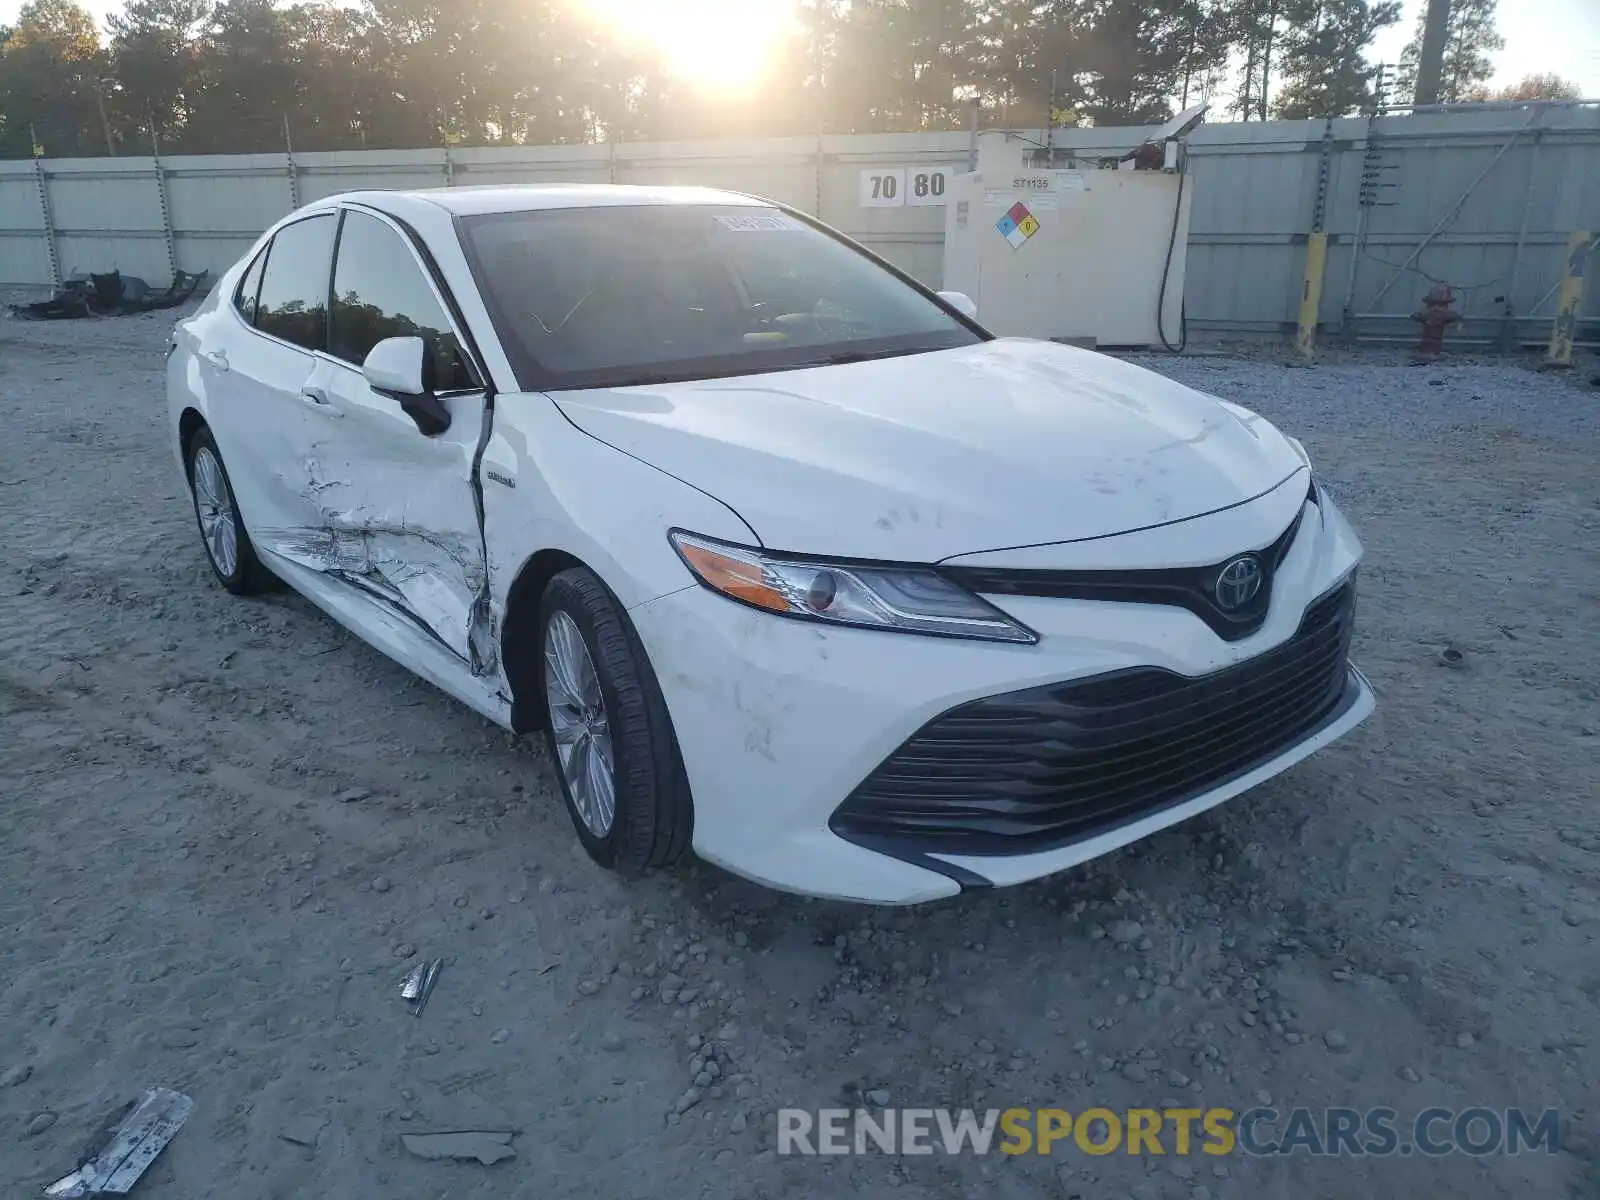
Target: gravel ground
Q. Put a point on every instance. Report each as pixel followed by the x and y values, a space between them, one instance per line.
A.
pixel 227 828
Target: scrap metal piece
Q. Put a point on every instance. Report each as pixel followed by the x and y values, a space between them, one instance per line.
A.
pixel 155 1118
pixel 488 1146
pixel 418 985
pixel 304 1130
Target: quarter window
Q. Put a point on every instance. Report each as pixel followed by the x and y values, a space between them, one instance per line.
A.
pixel 245 299
pixel 294 286
pixel 380 292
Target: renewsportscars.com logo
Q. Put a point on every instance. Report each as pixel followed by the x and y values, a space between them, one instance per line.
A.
pixel 1181 1131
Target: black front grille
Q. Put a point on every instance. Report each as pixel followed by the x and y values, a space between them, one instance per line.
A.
pixel 1045 767
pixel 1193 588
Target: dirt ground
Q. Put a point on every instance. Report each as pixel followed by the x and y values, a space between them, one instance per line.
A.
pixel 226 828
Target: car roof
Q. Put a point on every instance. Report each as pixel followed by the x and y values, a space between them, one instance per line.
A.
pixel 475 201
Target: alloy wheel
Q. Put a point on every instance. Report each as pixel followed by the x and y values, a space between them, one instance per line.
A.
pixel 579 722
pixel 218 524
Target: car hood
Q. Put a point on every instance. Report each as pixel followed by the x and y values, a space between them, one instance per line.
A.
pixel 919 458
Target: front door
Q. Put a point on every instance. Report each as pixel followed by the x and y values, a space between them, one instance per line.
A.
pixel 397 509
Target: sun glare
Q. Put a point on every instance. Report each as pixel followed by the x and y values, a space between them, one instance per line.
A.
pixel 725 45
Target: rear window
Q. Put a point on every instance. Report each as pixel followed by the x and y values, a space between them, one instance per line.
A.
pixel 294 287
pixel 610 296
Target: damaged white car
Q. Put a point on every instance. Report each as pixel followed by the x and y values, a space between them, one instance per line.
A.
pixel 791 561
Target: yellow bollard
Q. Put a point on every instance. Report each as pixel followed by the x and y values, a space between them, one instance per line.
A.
pixel 1570 298
pixel 1305 338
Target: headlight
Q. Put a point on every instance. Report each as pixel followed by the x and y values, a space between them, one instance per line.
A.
pixel 908 599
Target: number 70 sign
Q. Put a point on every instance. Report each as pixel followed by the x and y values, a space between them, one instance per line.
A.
pixel 898 187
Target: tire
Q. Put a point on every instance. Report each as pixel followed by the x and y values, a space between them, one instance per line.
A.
pixel 216 513
pixel 651 820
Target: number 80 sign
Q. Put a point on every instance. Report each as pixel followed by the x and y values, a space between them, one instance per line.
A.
pixel 898 187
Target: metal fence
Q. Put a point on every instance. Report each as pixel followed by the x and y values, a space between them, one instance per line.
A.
pixel 1484 199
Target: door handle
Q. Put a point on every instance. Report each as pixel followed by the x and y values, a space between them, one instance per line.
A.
pixel 317 398
pixel 218 359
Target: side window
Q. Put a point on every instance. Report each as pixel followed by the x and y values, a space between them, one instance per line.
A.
pixel 245 298
pixel 294 286
pixel 380 292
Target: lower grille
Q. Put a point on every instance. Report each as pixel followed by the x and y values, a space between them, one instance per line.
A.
pixel 1042 768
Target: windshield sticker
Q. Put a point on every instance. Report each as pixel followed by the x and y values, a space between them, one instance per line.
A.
pixel 1018 225
pixel 759 223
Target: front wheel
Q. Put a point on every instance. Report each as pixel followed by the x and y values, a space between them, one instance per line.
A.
pixel 608 731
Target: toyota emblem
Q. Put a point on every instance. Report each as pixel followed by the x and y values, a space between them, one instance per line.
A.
pixel 1239 582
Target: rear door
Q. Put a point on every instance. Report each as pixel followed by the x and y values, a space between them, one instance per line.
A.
pixel 400 508
pixel 259 362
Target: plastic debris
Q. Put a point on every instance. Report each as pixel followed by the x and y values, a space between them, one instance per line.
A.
pixel 488 1146
pixel 418 985
pixel 132 1146
pixel 111 294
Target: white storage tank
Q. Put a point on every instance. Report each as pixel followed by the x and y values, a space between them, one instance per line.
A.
pixel 1049 246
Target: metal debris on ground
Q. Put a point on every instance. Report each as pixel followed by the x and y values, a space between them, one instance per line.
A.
pixel 129 1148
pixel 418 985
pixel 305 1130
pixel 488 1146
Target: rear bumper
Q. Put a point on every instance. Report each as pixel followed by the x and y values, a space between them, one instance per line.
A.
pixel 781 721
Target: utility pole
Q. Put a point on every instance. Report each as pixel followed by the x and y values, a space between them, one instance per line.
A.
pixel 1430 59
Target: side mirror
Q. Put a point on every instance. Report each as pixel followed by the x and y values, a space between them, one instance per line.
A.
pixel 962 303
pixel 394 367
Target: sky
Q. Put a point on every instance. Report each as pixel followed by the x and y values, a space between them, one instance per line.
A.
pixel 1562 36
pixel 1541 35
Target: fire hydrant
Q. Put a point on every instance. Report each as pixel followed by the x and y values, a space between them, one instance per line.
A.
pixel 1437 315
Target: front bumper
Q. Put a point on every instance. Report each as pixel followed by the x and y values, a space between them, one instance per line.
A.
pixel 781 721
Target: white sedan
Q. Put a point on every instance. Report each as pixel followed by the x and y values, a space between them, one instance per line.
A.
pixel 792 562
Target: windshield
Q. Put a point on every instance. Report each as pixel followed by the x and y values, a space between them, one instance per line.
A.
pixel 611 296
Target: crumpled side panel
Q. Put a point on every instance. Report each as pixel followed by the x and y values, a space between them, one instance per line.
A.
pixel 438 578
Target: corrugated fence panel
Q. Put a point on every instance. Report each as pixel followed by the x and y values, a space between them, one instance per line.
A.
pixel 1485 206
pixel 107 214
pixel 1251 198
pixel 1254 188
pixel 328 174
pixel 542 164
pixel 910 237
pixel 781 169
pixel 220 204
pixel 24 257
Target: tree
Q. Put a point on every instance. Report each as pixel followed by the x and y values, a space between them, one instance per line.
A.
pixel 242 75
pixel 1470 38
pixel 1112 61
pixel 155 59
pixel 1542 86
pixel 51 65
pixel 1254 26
pixel 1323 56
pixel 897 64
pixel 1133 58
